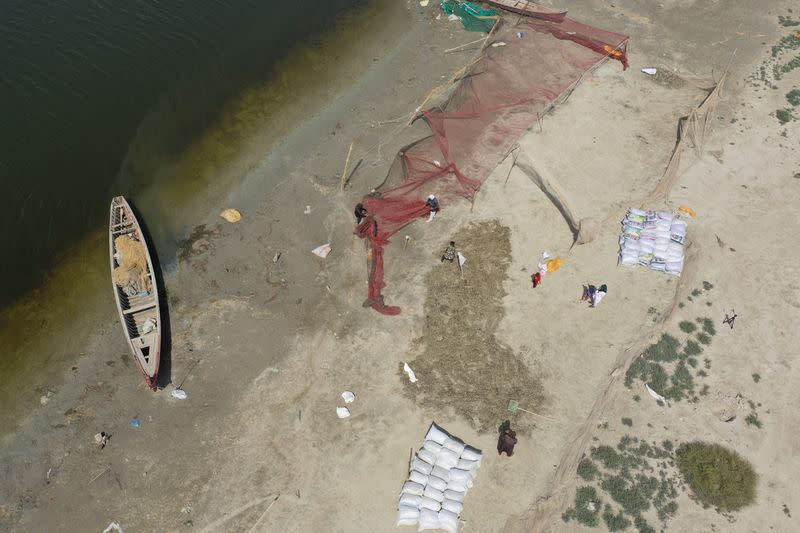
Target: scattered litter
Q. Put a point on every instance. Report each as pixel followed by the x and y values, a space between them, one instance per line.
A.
pixel 102 439
pixel 348 396
pixel 113 526
pixel 342 412
pixel 412 377
pixel 590 506
pixel 650 70
pixel 149 325
pixel 520 34
pixel 276 257
pixel 452 17
pixel 322 251
pixel 688 210
pixel 654 394
pixel 231 215
pixel 136 423
pixel 179 394
pixel 307 210
pixel 498 43
pixel 43 400
pixel 423 3
pixel 436 500
pixel 653 239
pixel 552 265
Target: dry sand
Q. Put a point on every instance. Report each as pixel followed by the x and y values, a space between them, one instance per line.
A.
pixel 265 349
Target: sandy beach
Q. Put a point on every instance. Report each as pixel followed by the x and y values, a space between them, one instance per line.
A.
pixel 264 348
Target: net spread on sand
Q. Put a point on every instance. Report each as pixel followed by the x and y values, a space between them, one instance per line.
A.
pixel 503 92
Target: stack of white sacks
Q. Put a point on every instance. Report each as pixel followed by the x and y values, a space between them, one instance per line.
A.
pixel 653 239
pixel 441 473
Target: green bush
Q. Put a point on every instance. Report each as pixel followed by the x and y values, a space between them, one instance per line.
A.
pixel 692 348
pixel 752 420
pixel 687 327
pixel 708 326
pixel 583 497
pixel 615 522
pixel 606 455
pixel 707 285
pixel 717 476
pixel 627 422
pixel 703 338
pixel 587 470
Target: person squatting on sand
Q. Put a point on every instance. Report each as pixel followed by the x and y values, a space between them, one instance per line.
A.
pixel 433 203
pixel 507 439
pixel 360 212
pixel 593 295
pixel 450 253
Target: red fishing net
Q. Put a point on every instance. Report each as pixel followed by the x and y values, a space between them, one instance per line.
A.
pixel 521 72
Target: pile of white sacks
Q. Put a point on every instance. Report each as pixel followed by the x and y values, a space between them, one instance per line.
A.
pixel 441 473
pixel 653 239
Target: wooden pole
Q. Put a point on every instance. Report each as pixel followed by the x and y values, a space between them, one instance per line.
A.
pixel 346 163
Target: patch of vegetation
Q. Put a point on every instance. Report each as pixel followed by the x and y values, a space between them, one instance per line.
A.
pixel 704 390
pixel 707 363
pixel 784 116
pixel 717 476
pixel 786 511
pixel 793 97
pixel 687 327
pixel 708 326
pixel 615 522
pixel 636 398
pixel 756 378
pixel 692 362
pixel 702 373
pixel 608 456
pixel 707 285
pixel 634 496
pixel 627 422
pixel 587 470
pixel 585 499
pixel 642 525
pixel 703 338
pixel 680 305
pixel 752 420
pixel 692 348
pixel 787 21
pixel 697 292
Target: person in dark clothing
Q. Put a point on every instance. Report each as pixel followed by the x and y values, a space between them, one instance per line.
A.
pixel 450 253
pixel 433 203
pixel 360 212
pixel 507 439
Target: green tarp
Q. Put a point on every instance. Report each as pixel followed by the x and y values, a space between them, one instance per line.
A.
pixel 473 16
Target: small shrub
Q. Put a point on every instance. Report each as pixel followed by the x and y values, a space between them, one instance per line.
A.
pixel 667 511
pixel 587 470
pixel 583 497
pixel 667 445
pixel 680 305
pixel 786 511
pixel 687 327
pixel 627 422
pixel 752 420
pixel 708 326
pixel 642 525
pixel 697 292
pixel 707 363
pixel 692 362
pixel 633 497
pixel 606 455
pixel 704 390
pixel 784 116
pixel 793 97
pixel 615 522
pixel 692 348
pixel 716 475
pixel 636 398
pixel 756 378
pixel 707 285
pixel 704 339
pixel 665 350
pixel 702 373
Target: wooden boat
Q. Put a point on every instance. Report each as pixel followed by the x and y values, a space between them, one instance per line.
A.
pixel 530 9
pixel 135 289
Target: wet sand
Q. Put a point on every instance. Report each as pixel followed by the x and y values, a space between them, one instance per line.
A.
pixel 264 349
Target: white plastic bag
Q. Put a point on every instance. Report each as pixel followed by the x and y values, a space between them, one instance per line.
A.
pixel 409 487
pixel 429 503
pixel 459 486
pixel 458 475
pixel 437 483
pixel 435 447
pixel 442 473
pixel 452 506
pixel 437 435
pixel 454 445
pixel 447 458
pixel 466 464
pixel 454 495
pixel 407 516
pixel 410 500
pixel 430 492
pixel 448 521
pixel 471 454
pixel 418 477
pixel 427 456
pixel 428 520
pixel 421 466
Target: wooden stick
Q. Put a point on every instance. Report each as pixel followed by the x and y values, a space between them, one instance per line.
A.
pixel 534 414
pixel 100 474
pixel 457 48
pixel 346 163
pixel 264 513
pixel 358 164
pixel 513 164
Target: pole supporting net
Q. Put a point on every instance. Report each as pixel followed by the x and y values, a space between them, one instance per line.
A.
pixel 503 92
